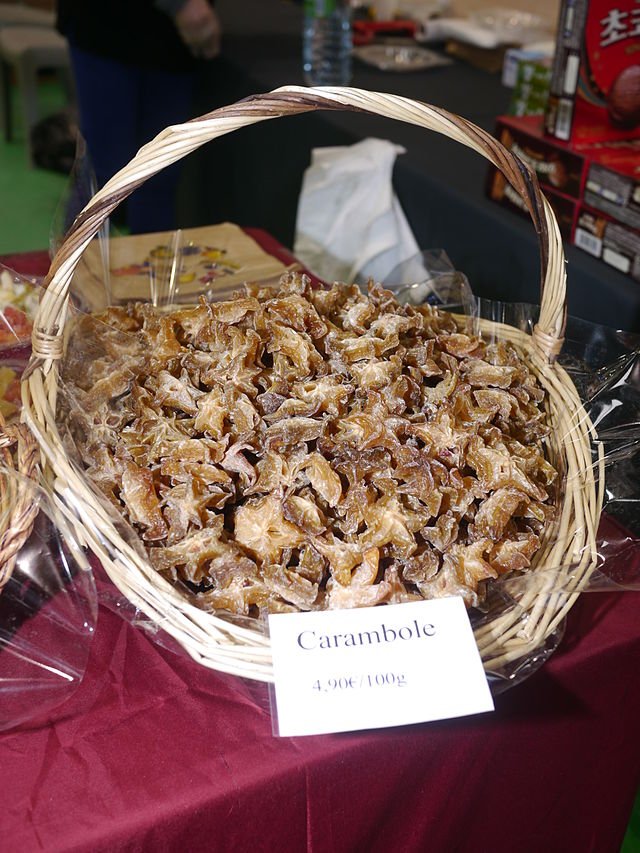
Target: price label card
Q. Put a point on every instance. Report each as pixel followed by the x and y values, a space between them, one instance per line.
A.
pixel 374 667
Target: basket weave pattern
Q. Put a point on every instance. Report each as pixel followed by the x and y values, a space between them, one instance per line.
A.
pixel 569 548
pixel 18 507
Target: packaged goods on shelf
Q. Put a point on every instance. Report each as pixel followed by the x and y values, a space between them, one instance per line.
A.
pixel 615 190
pixel 595 82
pixel 565 209
pixel 604 177
pixel 615 244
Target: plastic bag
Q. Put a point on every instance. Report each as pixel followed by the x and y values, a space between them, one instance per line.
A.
pixel 603 364
pixel 47 597
pixel 48 610
pixel 19 297
pixel 350 225
pixel 48 601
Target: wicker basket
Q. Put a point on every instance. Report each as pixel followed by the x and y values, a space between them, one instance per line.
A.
pixel 18 507
pixel 220 643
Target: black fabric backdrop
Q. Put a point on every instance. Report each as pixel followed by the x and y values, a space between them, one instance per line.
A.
pixel 253 176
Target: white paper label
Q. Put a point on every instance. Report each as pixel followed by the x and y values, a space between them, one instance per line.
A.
pixel 374 667
pixel 617 260
pixel 586 241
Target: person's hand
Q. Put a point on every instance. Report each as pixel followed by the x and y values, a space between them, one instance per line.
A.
pixel 199 28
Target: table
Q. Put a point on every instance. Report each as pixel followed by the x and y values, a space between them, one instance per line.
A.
pixel 156 753
pixel 254 176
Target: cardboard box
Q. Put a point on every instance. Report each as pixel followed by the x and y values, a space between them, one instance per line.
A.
pixel 615 244
pixel 606 175
pixel 531 89
pixel 594 191
pixel 565 209
pixel 557 166
pixel 615 189
pixel 594 93
pixel 516 57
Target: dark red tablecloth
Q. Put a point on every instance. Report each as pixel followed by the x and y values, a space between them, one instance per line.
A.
pixel 156 753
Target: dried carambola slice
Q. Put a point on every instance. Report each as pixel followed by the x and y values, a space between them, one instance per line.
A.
pixel 308 448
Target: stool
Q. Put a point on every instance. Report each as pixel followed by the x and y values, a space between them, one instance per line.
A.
pixel 12 15
pixel 29 50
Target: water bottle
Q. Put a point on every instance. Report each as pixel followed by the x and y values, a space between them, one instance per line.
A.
pixel 327 42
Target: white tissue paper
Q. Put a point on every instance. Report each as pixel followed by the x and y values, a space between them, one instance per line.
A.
pixel 486 28
pixel 350 225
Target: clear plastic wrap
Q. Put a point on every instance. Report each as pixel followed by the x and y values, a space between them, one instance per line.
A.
pixel 48 613
pixel 19 297
pixel 167 268
pixel 603 365
pixel 47 596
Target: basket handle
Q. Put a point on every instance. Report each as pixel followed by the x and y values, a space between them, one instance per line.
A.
pixel 177 141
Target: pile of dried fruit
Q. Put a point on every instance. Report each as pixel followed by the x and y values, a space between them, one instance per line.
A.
pixel 307 448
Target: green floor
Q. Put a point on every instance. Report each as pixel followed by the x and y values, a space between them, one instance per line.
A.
pixel 28 197
pixel 632 838
pixel 28 202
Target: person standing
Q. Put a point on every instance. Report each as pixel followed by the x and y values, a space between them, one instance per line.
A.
pixel 134 64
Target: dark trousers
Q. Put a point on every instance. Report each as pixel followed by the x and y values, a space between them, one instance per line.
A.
pixel 122 107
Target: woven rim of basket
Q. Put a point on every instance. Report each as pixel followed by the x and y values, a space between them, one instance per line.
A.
pixel 233 646
pixel 18 505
